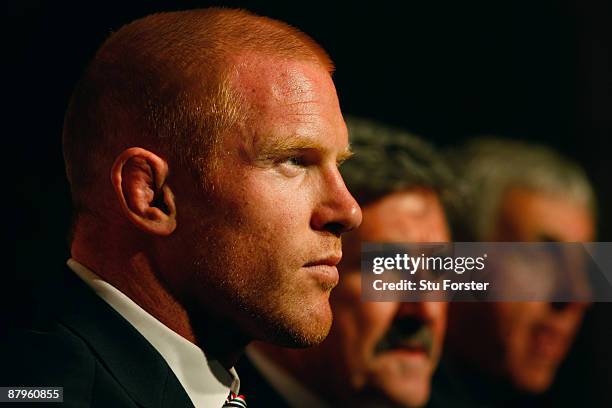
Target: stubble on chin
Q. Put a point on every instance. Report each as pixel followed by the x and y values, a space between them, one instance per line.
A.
pixel 263 300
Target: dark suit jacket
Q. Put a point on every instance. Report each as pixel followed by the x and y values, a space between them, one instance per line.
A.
pixel 80 343
pixel 259 393
pixel 465 388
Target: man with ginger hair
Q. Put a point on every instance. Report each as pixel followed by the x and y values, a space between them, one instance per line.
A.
pixel 202 150
pixel 378 354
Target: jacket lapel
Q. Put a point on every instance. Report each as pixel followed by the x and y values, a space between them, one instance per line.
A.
pixel 127 355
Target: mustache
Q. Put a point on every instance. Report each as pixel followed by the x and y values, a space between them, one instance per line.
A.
pixel 410 333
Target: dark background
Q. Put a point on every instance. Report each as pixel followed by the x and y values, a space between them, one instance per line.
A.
pixel 534 70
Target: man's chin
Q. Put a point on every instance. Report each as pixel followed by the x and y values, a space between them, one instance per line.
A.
pixel 400 379
pixel 397 396
pixel 300 328
pixel 535 382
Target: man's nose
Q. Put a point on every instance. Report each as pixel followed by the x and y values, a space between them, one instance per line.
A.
pixel 337 211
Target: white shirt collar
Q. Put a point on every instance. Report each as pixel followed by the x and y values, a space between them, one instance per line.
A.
pixel 206 382
pixel 295 393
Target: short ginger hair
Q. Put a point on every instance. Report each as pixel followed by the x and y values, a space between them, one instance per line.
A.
pixel 161 83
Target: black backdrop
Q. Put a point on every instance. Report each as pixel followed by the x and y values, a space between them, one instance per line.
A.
pixel 535 70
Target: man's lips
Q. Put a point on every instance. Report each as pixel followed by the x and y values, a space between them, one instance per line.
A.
pixel 411 348
pixel 324 270
pixel 329 260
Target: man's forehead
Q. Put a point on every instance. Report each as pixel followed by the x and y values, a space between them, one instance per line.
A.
pixel 536 214
pixel 404 216
pixel 265 80
pixel 291 104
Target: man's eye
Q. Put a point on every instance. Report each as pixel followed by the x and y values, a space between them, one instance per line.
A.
pixel 292 165
pixel 296 161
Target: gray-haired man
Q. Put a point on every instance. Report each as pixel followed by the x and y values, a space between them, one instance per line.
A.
pixel 516 191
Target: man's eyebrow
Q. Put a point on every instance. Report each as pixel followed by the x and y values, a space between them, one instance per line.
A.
pixel 345 155
pixel 281 146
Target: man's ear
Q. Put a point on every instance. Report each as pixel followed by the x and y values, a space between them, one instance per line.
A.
pixel 139 179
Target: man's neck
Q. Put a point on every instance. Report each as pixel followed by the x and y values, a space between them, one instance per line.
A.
pixel 136 278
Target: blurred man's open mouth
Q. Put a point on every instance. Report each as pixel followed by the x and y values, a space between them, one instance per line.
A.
pixel 408 335
pixel 550 343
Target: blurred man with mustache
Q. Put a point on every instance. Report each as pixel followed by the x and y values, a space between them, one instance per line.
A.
pixel 377 353
pixel 500 353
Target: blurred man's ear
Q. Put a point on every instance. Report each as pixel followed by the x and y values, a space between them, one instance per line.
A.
pixel 139 179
